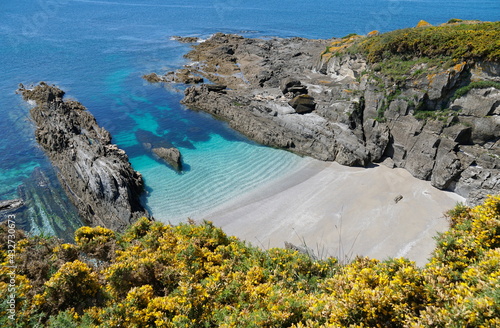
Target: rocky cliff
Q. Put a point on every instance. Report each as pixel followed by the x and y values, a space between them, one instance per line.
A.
pixel 95 174
pixel 431 110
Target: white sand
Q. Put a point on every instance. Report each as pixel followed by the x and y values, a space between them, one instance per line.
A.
pixel 342 212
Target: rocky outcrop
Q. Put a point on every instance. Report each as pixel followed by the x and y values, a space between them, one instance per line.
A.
pixel 95 174
pixel 284 93
pixel 10 205
pixel 302 104
pixel 172 156
pixel 262 78
pixel 160 149
pixel 181 76
pixel 186 39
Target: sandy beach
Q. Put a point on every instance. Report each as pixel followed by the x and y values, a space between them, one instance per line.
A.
pixel 342 212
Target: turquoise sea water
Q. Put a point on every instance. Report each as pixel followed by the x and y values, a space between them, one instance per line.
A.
pixel 97 52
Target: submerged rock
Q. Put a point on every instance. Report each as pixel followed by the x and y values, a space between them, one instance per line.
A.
pixel 186 39
pixel 95 173
pixel 303 104
pixel 153 78
pixel 47 209
pixel 160 148
pixel 181 76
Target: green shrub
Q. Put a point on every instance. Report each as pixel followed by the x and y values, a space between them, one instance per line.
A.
pixel 459 42
pixel 194 275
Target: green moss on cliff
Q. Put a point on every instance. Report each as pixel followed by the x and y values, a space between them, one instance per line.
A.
pixel 475 85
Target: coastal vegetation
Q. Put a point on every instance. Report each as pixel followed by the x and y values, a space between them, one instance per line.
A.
pixel 194 275
pixel 401 59
pixel 456 41
pixel 475 85
pixel 395 53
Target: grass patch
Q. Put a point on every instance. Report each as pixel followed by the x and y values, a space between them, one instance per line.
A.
pixel 455 20
pixel 439 115
pixel 348 36
pixel 475 85
pixel 386 103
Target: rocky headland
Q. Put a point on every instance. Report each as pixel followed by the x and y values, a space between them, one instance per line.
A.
pixel 414 98
pixel 95 173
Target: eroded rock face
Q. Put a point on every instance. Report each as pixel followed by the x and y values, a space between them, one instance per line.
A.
pixel 479 103
pixel 352 117
pixel 95 174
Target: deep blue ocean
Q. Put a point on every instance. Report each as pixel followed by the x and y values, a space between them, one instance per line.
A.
pixel 97 52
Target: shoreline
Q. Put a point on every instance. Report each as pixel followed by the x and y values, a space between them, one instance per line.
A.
pixel 319 205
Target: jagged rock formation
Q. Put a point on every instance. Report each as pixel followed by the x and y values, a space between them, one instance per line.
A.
pixel 95 174
pixel 355 114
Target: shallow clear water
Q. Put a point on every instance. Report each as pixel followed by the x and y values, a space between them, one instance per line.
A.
pixel 97 52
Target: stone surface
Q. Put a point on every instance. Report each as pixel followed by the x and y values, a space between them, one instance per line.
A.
pixel 95 174
pixel 303 104
pixel 478 102
pixel 360 115
pixel 421 156
pixel 181 76
pixel 447 166
pixel 292 86
pixel 476 183
pixel 186 39
pixel 154 78
pixel 172 156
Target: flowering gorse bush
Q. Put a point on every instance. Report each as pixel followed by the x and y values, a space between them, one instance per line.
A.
pixel 194 275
